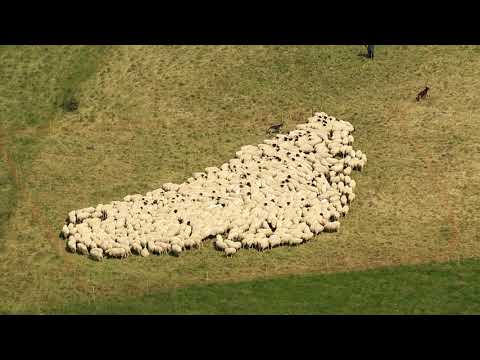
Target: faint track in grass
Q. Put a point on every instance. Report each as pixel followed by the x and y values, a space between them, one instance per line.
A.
pixel 36 213
pixel 443 193
pixel 47 232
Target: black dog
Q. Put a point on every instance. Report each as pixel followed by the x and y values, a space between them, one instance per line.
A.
pixel 274 128
pixel 422 94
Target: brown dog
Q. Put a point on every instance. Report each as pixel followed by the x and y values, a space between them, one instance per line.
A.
pixel 274 128
pixel 422 94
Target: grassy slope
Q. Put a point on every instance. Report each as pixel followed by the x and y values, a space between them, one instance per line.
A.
pixel 34 81
pixel 448 288
pixel 157 114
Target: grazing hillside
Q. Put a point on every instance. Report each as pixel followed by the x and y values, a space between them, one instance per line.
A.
pixel 156 114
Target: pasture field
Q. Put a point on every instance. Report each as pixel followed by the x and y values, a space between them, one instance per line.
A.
pixel 443 288
pixel 156 114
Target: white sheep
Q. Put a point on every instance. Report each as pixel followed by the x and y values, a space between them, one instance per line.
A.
pixel 229 251
pixel 176 249
pixel 260 199
pixel 151 246
pixel 72 217
pixel 332 226
pixel 316 228
pixel 234 244
pixel 82 249
pixel 220 245
pixel 117 252
pixel 262 244
pixel 137 248
pixel 71 245
pixel 65 232
pixel 96 254
pixel 351 197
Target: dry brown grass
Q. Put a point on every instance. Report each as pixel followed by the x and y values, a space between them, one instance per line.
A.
pixel 157 114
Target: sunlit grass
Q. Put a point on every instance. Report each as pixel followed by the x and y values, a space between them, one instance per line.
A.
pixel 159 113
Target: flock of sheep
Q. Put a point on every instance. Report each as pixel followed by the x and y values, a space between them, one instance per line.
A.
pixel 282 192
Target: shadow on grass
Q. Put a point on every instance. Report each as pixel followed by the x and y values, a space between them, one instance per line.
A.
pixel 364 55
pixel 448 288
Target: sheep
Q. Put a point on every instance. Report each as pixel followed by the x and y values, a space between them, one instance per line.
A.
pixel 65 231
pixel 82 249
pixel 96 254
pixel 353 184
pixel 249 242
pixel 151 246
pixel 170 187
pixel 189 243
pixel 233 244
pixel 351 197
pixel 123 240
pixel 295 241
pixel 229 251
pixel 220 245
pixel 285 190
pixel 72 217
pixel 123 246
pixel 117 252
pixel 176 249
pixel 274 241
pixel 137 248
pixel 307 235
pixel 71 245
pixel 316 228
pixel 262 244
pixel 332 226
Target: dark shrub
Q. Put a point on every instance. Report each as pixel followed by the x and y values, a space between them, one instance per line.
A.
pixel 69 103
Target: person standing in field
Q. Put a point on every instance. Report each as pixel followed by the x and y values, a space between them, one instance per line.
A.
pixel 370 49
